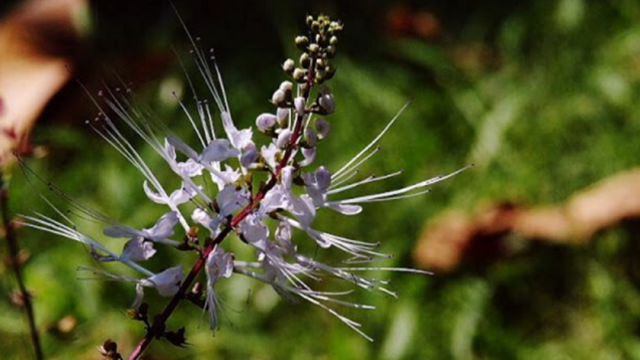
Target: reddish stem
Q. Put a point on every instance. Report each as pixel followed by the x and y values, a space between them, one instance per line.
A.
pixel 14 253
pixel 159 322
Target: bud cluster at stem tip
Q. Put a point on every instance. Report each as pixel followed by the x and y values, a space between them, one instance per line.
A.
pixel 318 48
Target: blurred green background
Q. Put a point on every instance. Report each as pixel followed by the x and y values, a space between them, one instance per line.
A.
pixel 541 95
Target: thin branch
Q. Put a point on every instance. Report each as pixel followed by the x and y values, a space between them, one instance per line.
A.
pixel 14 250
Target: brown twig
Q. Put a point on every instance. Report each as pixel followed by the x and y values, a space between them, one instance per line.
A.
pixel 14 249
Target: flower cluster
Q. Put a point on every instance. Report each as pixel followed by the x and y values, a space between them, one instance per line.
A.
pixel 266 216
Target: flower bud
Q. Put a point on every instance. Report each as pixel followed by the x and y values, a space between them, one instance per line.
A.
pixel 321 76
pixel 305 60
pixel 266 122
pixel 286 86
pixel 333 41
pixel 278 97
pixel 300 105
pixel 298 75
pixel 283 138
pixel 322 127
pixel 326 101
pixel 283 117
pixel 331 51
pixel 288 66
pixel 330 70
pixel 302 42
pixel 310 137
pixel 314 49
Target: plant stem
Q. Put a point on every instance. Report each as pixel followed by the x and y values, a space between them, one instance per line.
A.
pixel 14 250
pixel 159 321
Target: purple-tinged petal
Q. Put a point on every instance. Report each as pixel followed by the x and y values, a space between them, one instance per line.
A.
pixel 266 122
pixel 167 282
pixel 346 209
pixel 218 150
pixel 163 229
pixel 137 249
pixel 284 138
pixel 152 195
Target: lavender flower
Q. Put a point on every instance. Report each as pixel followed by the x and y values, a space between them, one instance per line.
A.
pixel 291 197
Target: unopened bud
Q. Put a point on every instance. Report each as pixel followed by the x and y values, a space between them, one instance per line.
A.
pixel 286 86
pixel 302 42
pixel 310 137
pixel 298 75
pixel 333 41
pixel 283 138
pixel 331 51
pixel 288 66
pixel 322 127
pixel 266 122
pixel 278 97
pixel 305 60
pixel 300 105
pixel 314 49
pixel 282 116
pixel 326 101
pixel 321 76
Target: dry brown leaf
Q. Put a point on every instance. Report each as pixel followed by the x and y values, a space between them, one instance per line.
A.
pixel 37 45
pixel 447 240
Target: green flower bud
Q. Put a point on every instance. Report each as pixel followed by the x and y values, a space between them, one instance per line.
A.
pixel 333 41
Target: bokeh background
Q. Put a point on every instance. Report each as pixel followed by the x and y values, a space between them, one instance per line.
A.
pixel 535 250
